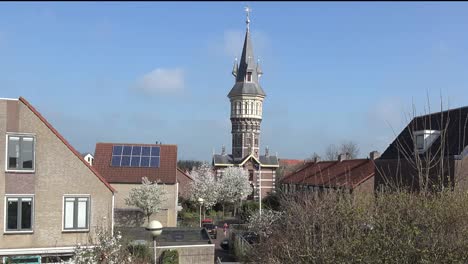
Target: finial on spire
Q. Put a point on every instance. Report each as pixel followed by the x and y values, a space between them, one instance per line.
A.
pixel 247 21
pixel 235 68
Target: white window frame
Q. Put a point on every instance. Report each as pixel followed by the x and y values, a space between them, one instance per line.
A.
pixel 8 134
pixel 429 136
pixel 88 212
pixel 5 223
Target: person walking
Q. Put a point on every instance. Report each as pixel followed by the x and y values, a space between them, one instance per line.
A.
pixel 225 227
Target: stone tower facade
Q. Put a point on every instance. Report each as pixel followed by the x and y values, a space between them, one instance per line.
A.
pixel 246 102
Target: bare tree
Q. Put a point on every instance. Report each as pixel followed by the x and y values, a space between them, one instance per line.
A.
pixel 351 148
pixel 346 147
pixel 332 152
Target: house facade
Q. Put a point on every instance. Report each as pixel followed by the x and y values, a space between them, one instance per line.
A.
pixel 431 152
pixel 246 101
pixel 51 198
pixel 124 165
pixel 354 175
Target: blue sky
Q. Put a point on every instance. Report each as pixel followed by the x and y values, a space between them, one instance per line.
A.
pixel 160 71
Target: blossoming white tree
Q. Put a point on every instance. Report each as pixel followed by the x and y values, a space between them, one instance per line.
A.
pixel 105 248
pixel 149 197
pixel 204 185
pixel 234 185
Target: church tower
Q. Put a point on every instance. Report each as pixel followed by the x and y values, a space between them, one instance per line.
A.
pixel 246 102
pixel 246 99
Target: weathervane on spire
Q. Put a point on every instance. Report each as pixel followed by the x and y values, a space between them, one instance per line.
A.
pixel 247 21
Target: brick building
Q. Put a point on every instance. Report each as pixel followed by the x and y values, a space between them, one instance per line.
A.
pixel 432 150
pixel 354 175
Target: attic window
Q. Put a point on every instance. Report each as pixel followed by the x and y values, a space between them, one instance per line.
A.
pixel 249 76
pixel 423 139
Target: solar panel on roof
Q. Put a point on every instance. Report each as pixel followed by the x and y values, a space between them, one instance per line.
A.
pixel 117 150
pixel 135 156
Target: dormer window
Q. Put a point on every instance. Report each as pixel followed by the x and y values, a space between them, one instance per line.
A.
pixel 423 139
pixel 419 142
pixel 249 77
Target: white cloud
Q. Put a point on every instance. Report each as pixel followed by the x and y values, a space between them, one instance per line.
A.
pixel 162 81
pixel 231 43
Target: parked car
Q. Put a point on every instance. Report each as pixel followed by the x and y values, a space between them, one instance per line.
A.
pixel 210 227
pixel 225 244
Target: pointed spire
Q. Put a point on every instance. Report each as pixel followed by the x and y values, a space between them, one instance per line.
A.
pixel 246 73
pixel 235 68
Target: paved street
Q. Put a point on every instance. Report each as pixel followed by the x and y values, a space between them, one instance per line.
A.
pixel 224 255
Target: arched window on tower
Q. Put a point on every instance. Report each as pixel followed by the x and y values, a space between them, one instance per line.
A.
pixel 238 108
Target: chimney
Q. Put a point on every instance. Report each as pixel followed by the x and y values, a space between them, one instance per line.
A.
pixel 373 155
pixel 223 150
pixel 267 152
pixel 316 159
pixel 343 156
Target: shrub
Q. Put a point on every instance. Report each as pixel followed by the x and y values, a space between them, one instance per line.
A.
pixel 399 227
pixel 170 257
pixel 141 252
pixel 248 207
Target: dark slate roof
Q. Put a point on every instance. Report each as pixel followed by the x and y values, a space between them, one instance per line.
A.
pixel 166 173
pixel 334 174
pixel 170 236
pixel 247 63
pixel 222 159
pixel 269 160
pixel 456 122
pixel 246 88
pixel 219 159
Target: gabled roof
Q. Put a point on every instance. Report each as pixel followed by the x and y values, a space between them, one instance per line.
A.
pixel 333 174
pixel 454 120
pixel 227 160
pixel 70 147
pixel 165 173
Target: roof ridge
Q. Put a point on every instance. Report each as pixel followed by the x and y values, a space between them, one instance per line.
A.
pixel 119 143
pixel 186 174
pixel 440 112
pixel 64 141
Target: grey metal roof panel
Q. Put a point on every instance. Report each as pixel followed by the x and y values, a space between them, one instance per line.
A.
pixel 222 159
pixel 241 88
pixel 269 160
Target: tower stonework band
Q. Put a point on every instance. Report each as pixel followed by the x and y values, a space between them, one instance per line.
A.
pixel 246 98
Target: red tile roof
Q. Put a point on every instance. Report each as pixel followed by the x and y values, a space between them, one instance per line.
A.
pixel 72 149
pixel 290 162
pixel 166 173
pixel 335 174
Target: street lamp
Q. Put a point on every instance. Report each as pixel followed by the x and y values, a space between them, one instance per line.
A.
pixel 155 228
pixel 200 200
